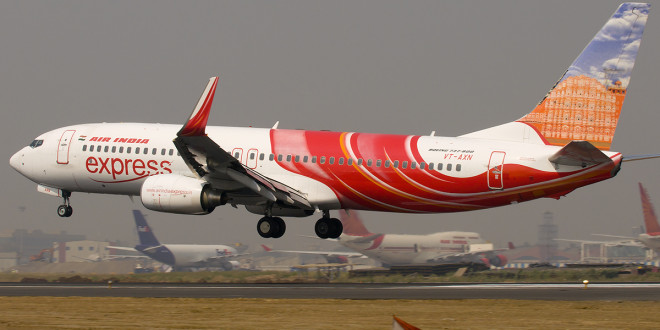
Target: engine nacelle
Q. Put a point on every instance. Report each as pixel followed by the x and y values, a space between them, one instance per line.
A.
pixel 175 193
pixel 498 260
pixel 231 265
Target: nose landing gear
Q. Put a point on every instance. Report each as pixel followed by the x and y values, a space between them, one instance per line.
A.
pixel 65 210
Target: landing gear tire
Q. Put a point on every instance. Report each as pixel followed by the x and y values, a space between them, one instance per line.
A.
pixel 64 211
pixel 271 227
pixel 328 228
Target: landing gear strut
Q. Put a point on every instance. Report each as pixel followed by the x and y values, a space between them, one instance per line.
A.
pixel 327 227
pixel 65 210
pixel 271 227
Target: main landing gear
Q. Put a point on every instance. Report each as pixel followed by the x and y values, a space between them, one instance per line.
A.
pixel 65 210
pixel 271 227
pixel 327 227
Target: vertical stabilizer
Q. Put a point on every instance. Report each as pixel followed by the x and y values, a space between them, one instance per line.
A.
pixel 650 220
pixel 145 234
pixel 352 223
pixel 586 102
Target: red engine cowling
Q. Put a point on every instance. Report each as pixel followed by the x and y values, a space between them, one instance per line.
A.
pixel 498 260
pixel 175 193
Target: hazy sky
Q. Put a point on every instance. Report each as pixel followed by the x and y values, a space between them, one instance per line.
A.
pixel 406 67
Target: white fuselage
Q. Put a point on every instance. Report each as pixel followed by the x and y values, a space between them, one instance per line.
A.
pixel 394 250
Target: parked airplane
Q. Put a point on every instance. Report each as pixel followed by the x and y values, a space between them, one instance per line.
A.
pixel 400 250
pixel 180 256
pixel 651 236
pixel 563 144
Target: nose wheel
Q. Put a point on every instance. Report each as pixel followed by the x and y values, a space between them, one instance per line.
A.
pixel 65 210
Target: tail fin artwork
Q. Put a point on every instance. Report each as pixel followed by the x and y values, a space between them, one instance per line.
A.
pixel 650 219
pixel 353 225
pixel 145 234
pixel 586 101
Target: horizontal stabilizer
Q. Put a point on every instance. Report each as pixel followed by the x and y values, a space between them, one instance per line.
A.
pixel 639 157
pixel 365 239
pixel 579 153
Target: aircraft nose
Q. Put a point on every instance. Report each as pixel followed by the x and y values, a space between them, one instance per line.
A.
pixel 16 161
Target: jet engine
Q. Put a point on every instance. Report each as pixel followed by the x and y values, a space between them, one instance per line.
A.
pixel 231 265
pixel 175 193
pixel 498 260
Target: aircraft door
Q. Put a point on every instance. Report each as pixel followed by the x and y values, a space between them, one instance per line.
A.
pixel 496 170
pixel 251 159
pixel 63 147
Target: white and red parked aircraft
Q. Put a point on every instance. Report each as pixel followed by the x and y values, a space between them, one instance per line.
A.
pixel 563 144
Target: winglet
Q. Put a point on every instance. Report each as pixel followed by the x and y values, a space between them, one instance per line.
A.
pixel 196 124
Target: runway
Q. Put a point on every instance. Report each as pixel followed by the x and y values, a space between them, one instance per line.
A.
pixel 572 292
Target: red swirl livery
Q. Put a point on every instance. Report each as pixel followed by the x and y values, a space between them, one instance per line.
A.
pixel 561 145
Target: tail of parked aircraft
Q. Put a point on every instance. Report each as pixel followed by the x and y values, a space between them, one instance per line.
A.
pixel 585 104
pixel 650 219
pixel 145 234
pixel 353 225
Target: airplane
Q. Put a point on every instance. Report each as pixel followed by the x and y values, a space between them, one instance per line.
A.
pixel 402 250
pixel 180 256
pixel 332 257
pixel 651 236
pixel 561 145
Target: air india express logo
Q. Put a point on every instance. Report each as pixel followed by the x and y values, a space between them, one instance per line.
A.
pixel 119 167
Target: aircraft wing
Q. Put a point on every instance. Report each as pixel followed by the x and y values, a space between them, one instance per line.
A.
pixel 212 163
pixel 122 248
pixel 628 242
pixel 320 253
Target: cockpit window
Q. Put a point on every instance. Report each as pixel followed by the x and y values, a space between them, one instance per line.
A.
pixel 36 143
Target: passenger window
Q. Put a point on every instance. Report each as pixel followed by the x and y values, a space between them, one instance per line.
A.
pixel 440 167
pixel 322 160
pixel 252 155
pixel 128 150
pixel 349 162
pixel 341 160
pixel 458 167
pixel 153 151
pixel 430 166
pixel 91 148
pixel 387 163
pixel 85 147
pixel 98 148
pixel 106 149
pixel 378 163
pixel 305 159
pixel 261 156
pixel 236 154
pixel 279 158
pixel 413 165
pixel 297 159
pixel 314 159
pixel 171 152
pixel 137 150
pixel 121 150
pixel 370 162
pixel 396 164
pixel 114 149
pixel 271 157
pixel 146 150
pixel 448 167
pixel 404 164
pixel 288 158
pixel 162 152
pixel 359 162
pixel 331 160
pixel 422 165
